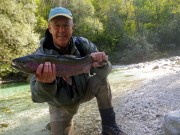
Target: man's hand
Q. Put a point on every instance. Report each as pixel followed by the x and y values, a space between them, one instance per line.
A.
pixel 46 73
pixel 98 57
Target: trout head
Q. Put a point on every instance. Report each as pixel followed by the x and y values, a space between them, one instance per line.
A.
pixel 24 64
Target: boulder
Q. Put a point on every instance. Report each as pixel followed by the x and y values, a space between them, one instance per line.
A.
pixel 172 123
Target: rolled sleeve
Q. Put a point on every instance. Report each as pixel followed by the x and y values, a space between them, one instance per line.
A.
pixel 103 72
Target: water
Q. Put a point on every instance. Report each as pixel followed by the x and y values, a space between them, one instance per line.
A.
pixel 18 114
pixel 13 89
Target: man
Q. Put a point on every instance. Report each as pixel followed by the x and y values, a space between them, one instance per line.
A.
pixel 64 99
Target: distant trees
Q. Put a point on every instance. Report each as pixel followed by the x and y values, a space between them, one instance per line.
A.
pixel 138 30
pixel 139 27
pixel 17 36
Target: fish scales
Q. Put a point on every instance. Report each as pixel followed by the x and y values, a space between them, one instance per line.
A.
pixel 66 65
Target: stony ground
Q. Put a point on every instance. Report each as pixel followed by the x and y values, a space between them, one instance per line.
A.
pixel 142 94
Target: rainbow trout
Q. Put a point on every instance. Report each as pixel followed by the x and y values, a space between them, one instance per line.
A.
pixel 66 65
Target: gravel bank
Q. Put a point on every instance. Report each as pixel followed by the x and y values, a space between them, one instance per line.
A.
pixel 142 94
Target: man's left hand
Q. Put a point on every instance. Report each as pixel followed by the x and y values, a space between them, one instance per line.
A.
pixel 98 57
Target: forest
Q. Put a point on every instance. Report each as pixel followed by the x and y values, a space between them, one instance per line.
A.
pixel 129 31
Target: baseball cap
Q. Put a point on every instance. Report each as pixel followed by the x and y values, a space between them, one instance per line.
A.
pixel 59 11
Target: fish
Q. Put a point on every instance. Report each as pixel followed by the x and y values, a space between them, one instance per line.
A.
pixel 66 65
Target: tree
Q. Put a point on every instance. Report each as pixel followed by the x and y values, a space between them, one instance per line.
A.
pixel 17 36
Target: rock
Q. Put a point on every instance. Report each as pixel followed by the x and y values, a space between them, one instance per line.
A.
pixel 48 126
pixel 172 123
pixel 155 67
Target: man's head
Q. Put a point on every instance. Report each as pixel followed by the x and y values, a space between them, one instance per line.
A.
pixel 60 26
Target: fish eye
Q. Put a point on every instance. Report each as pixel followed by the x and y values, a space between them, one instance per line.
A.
pixel 23 63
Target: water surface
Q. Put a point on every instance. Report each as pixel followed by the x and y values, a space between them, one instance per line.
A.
pixel 9 90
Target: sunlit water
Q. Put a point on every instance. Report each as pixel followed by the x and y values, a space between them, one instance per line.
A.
pixel 13 89
pixel 18 113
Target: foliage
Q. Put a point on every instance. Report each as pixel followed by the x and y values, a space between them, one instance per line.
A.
pixel 112 24
pixel 17 36
pixel 137 51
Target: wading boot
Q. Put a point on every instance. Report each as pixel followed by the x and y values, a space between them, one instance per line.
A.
pixel 107 130
pixel 109 125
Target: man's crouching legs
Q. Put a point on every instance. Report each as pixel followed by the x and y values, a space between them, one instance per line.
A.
pixel 61 120
pixel 102 91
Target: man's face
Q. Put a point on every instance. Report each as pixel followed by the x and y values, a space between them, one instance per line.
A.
pixel 61 29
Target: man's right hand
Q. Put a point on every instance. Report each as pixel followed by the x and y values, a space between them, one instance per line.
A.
pixel 46 73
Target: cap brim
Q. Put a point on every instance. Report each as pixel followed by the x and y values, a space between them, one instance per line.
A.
pixel 70 17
